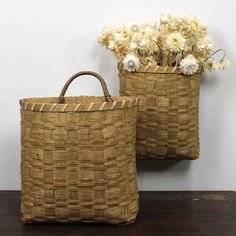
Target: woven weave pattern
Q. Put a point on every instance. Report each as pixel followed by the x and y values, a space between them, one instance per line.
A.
pixel 79 166
pixel 78 157
pixel 168 113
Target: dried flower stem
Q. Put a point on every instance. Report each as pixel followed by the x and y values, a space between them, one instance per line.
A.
pixel 161 55
pixel 222 50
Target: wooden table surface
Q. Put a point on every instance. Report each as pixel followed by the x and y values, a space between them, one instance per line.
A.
pixel 161 214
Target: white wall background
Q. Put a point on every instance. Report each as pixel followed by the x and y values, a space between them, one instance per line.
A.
pixel 42 43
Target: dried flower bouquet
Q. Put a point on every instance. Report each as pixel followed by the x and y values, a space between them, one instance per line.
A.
pixel 177 41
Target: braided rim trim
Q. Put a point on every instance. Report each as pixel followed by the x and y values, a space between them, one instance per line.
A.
pixel 27 104
pixel 157 69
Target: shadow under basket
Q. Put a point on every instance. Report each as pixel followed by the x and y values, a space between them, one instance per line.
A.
pixel 167 126
pixel 78 158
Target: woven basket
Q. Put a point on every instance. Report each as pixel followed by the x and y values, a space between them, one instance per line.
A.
pixel 78 158
pixel 167 126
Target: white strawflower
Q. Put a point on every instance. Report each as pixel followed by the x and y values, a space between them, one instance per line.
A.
pixel 133 46
pixel 205 44
pixel 112 45
pixel 223 64
pixel 144 43
pixel 136 37
pixel 189 65
pixel 131 63
pixel 211 65
pixel 118 37
pixel 175 42
pixel 148 30
pixel 107 30
pixel 165 17
pixel 133 24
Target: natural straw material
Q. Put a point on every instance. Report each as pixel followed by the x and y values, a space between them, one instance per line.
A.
pixel 168 113
pixel 78 158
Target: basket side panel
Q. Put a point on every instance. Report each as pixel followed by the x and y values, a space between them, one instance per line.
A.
pixel 79 166
pixel 168 114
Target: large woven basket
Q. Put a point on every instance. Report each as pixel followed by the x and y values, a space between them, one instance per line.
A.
pixel 78 158
pixel 167 125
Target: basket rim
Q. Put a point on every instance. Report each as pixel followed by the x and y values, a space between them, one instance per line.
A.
pixel 119 102
pixel 155 69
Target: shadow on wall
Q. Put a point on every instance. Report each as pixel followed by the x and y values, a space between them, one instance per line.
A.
pixel 162 165
pixel 208 80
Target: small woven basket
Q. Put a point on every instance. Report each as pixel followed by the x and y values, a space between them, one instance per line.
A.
pixel 78 158
pixel 167 126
